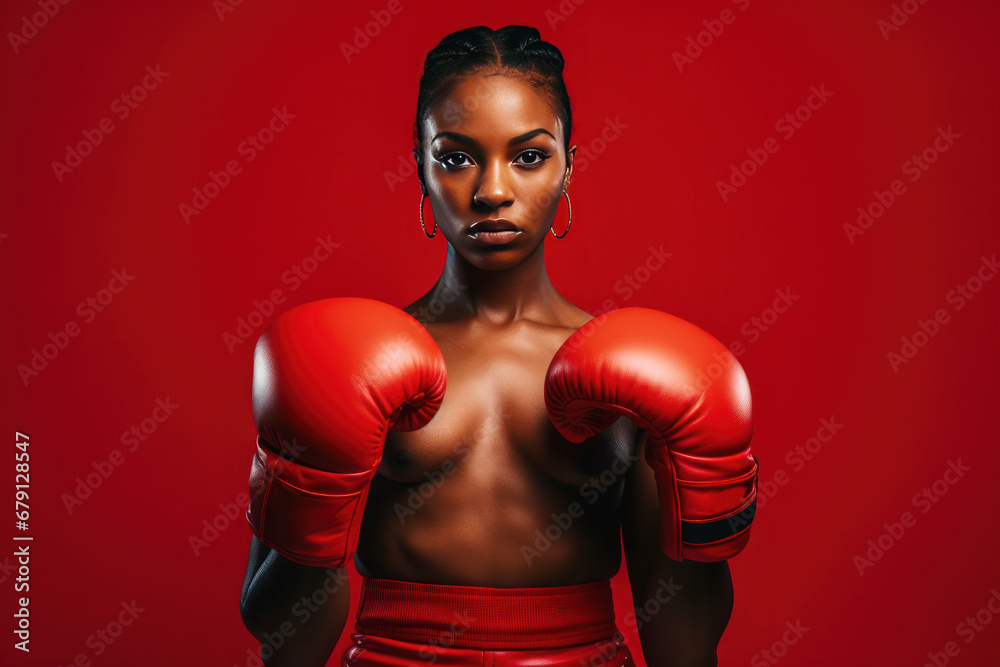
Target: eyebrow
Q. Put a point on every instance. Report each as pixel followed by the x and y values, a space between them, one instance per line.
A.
pixel 462 139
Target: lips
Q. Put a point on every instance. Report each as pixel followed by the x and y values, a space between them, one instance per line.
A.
pixel 493 232
pixel 492 225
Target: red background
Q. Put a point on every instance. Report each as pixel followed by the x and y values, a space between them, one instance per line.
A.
pixel 654 185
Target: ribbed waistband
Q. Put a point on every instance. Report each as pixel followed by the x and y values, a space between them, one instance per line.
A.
pixel 486 618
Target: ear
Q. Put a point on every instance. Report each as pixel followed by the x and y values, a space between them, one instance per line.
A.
pixel 420 171
pixel 569 166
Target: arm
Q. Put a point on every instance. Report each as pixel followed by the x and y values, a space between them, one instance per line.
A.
pixel 681 607
pixel 691 507
pixel 330 379
pixel 691 396
pixel 297 612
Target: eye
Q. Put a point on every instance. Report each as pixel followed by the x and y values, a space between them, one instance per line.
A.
pixel 533 157
pixel 454 160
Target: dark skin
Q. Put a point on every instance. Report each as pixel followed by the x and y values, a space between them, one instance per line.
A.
pixel 501 468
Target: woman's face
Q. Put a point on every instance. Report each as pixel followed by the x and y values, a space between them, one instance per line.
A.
pixel 493 150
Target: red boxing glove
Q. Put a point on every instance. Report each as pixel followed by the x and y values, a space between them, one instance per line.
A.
pixel 330 378
pixel 691 395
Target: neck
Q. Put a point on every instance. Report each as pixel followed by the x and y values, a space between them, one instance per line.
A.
pixel 498 297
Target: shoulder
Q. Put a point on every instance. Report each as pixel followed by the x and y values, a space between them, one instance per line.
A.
pixel 569 316
pixel 577 317
pixel 430 309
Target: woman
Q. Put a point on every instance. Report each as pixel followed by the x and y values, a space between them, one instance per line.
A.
pixel 486 534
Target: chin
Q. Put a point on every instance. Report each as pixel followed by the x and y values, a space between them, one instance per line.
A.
pixel 496 258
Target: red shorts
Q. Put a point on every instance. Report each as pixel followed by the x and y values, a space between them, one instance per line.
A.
pixel 402 623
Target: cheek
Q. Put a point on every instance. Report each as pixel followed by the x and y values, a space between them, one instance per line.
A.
pixel 542 197
pixel 448 196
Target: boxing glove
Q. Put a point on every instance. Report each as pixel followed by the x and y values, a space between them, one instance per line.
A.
pixel 330 378
pixel 692 397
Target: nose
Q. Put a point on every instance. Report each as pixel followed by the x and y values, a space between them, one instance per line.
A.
pixel 493 189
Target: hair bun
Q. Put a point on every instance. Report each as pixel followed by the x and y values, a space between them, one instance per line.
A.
pixel 528 40
pixel 519 36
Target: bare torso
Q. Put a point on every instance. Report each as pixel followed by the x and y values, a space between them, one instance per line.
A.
pixel 469 498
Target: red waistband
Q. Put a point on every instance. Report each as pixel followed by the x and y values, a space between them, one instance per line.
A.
pixel 486 618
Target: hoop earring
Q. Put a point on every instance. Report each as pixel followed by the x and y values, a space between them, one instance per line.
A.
pixel 435 230
pixel 569 223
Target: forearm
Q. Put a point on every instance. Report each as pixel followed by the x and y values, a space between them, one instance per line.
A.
pixel 297 612
pixel 682 609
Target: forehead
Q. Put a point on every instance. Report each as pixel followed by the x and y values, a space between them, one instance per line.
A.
pixel 484 106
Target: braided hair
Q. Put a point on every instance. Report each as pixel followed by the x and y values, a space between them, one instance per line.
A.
pixel 512 50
